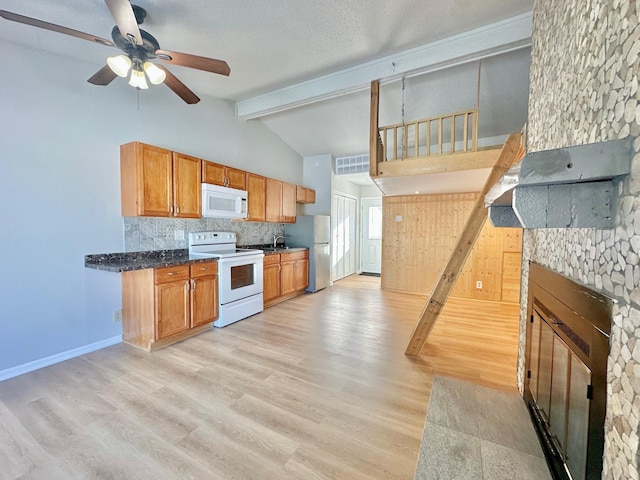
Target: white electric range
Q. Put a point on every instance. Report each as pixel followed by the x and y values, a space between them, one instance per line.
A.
pixel 239 274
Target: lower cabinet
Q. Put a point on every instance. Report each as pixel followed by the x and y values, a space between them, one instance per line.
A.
pixel 163 305
pixel 285 276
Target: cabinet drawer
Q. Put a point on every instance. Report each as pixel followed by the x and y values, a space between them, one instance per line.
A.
pixel 272 259
pixel 289 257
pixel 204 269
pixel 171 274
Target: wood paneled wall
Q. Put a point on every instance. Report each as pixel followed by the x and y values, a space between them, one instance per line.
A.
pixel 419 233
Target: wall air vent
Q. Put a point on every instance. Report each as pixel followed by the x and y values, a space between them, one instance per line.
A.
pixel 353 164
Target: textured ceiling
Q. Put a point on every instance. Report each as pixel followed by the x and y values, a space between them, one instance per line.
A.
pixel 268 44
pixel 274 44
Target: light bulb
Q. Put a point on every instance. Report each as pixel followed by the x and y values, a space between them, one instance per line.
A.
pixel 156 74
pixel 138 80
pixel 120 65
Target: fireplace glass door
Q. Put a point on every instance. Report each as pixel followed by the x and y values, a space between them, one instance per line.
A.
pixel 560 386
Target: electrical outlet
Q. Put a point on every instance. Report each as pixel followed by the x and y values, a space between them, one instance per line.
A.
pixel 117 315
pixel 179 235
pixel 479 284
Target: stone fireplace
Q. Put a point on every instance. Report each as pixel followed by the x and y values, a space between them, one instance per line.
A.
pixel 565 388
pixel 584 89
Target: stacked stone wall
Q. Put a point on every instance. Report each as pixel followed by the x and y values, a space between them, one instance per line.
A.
pixel 583 89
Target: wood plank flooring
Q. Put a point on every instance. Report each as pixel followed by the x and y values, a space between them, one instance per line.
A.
pixel 317 387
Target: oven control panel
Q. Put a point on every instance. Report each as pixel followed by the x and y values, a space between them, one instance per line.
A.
pixel 211 238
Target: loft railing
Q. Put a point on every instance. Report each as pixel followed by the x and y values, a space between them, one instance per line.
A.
pixel 452 133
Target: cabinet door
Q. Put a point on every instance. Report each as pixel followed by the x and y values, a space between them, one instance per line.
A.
pixel 255 197
pixel 301 194
pixel 204 300
pixel 289 202
pixel 287 278
pixel 301 274
pixel 186 186
pixel 273 199
pixel 146 180
pixel 271 282
pixel 310 195
pixel 213 173
pixel 172 308
pixel 235 178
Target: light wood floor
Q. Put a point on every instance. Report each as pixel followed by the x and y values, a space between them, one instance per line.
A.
pixel 315 388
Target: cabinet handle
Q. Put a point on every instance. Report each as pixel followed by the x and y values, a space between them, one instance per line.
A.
pixel 171 273
pixel 193 285
pixel 171 209
pixel 177 210
pixel 186 285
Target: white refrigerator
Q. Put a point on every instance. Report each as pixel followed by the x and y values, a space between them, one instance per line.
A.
pixel 313 232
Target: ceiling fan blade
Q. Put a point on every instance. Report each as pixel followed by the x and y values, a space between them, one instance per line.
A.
pixel 34 22
pixel 125 19
pixel 194 61
pixel 104 76
pixel 179 88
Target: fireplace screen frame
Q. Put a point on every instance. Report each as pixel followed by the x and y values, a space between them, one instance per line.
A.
pixel 580 319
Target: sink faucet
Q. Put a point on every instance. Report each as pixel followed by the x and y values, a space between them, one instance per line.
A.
pixel 276 238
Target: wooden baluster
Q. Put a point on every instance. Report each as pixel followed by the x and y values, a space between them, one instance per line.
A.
pixel 465 133
pixel 417 140
pixel 453 133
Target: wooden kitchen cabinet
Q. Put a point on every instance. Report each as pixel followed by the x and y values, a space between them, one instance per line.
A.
pixel 280 201
pixel 285 276
pixel 222 175
pixel 164 305
pixel 204 289
pixel 186 186
pixel 273 200
pixel 271 278
pixel 305 195
pixel 156 182
pixel 288 203
pixel 256 196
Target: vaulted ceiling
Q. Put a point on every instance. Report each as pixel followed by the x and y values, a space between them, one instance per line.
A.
pixel 289 45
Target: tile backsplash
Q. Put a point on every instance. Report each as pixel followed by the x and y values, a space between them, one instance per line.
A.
pixel 141 233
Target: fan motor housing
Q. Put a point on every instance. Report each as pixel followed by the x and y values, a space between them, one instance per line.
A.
pixel 144 51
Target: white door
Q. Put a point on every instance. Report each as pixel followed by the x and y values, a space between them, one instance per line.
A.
pixel 371 235
pixel 344 231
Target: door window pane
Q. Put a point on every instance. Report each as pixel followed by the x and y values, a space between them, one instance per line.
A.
pixel 375 223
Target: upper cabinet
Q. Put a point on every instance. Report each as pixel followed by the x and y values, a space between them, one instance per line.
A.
pixel 156 182
pixel 280 201
pixel 288 203
pixel 305 195
pixel 256 185
pixel 273 200
pixel 222 175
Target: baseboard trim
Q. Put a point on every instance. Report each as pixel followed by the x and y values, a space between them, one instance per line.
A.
pixel 57 358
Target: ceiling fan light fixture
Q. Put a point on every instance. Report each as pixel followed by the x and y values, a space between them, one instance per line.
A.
pixel 120 65
pixel 156 75
pixel 138 80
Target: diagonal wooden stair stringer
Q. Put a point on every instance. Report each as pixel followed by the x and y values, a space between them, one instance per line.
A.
pixel 512 151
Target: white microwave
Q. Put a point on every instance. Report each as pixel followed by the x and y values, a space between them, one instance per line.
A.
pixel 223 202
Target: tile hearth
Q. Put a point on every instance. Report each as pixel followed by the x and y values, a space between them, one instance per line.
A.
pixel 476 433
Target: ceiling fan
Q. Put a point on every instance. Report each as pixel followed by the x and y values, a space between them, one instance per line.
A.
pixel 139 49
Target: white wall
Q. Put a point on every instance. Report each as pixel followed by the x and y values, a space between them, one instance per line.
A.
pixel 317 173
pixel 370 191
pixel 60 190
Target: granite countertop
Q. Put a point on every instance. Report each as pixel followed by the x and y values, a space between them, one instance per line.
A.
pixel 270 250
pixel 124 262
